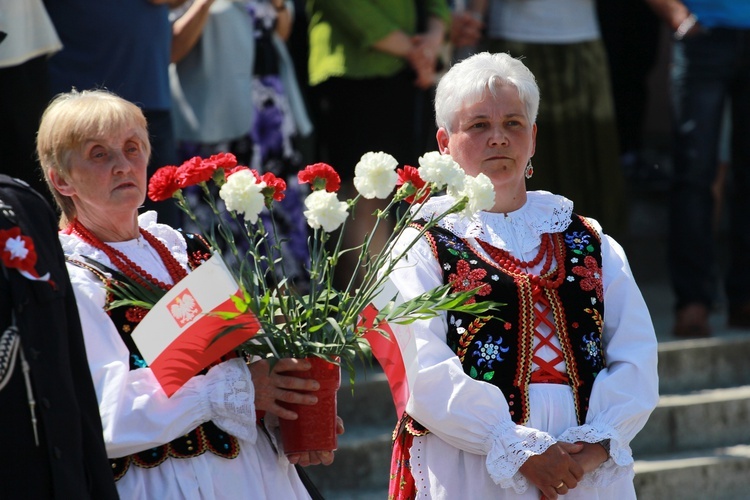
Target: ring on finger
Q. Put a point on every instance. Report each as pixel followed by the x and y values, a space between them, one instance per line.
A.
pixel 562 483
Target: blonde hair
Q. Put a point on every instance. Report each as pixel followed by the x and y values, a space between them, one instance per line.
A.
pixel 74 117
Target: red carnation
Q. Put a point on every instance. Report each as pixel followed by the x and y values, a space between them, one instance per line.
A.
pixel 163 183
pixel 236 169
pixel 320 176
pixel 195 171
pixel 227 161
pixel 410 175
pixel 273 183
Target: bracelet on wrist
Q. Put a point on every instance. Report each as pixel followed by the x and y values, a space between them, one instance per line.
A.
pixel 685 26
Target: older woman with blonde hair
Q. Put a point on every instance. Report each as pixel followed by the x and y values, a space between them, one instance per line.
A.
pixel 203 441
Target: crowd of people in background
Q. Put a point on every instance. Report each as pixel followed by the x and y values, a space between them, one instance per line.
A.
pixel 285 83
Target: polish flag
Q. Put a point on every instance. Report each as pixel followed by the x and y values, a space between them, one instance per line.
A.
pixel 386 349
pixel 176 337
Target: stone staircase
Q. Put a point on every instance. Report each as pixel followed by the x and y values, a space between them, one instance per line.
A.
pixel 696 444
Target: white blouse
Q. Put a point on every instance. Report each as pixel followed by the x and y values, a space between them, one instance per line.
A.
pixel 475 450
pixel 137 414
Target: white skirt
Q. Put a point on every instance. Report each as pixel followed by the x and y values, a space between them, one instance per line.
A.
pixel 257 473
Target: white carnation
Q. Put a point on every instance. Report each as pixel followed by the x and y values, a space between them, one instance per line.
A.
pixel 375 175
pixel 480 193
pixel 325 210
pixel 242 193
pixel 442 171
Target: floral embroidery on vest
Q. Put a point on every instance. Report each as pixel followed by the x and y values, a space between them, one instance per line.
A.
pixel 499 349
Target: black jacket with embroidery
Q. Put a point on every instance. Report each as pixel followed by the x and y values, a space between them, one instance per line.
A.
pixel 71 461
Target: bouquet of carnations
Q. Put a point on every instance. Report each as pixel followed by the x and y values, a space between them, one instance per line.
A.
pixel 322 321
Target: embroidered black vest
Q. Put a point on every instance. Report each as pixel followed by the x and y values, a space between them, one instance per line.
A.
pixel 205 437
pixel 499 349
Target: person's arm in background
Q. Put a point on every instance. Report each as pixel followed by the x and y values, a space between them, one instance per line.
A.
pixel 418 51
pixel 187 29
pixel 284 18
pixel 428 46
pixel 677 16
pixel 369 26
pixel 467 23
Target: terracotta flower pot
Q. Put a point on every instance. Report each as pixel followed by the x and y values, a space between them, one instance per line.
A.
pixel 315 429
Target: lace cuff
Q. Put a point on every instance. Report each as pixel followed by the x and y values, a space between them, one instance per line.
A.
pixel 231 398
pixel 508 455
pixel 619 464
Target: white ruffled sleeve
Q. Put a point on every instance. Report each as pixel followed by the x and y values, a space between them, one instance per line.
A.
pixel 468 414
pixel 627 390
pixel 136 413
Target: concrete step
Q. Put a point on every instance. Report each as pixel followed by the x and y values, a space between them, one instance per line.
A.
pixel 701 420
pixel 716 474
pixel 369 404
pixel 362 463
pixel 692 365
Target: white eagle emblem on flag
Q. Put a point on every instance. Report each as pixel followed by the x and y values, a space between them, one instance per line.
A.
pixel 184 308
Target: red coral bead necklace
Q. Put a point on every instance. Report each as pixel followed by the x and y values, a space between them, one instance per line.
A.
pixel 547 250
pixel 126 265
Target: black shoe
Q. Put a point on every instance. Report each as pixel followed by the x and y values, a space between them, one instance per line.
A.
pixel 691 321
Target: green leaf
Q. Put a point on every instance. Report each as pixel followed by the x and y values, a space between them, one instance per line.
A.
pixel 240 303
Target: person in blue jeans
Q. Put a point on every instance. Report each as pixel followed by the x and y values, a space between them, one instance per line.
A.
pixel 710 67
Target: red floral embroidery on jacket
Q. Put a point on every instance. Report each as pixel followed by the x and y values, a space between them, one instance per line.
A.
pixel 465 279
pixel 592 276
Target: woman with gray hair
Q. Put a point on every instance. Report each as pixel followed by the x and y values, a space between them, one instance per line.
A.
pixel 543 397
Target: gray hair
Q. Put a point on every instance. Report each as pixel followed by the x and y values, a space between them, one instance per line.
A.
pixel 469 81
